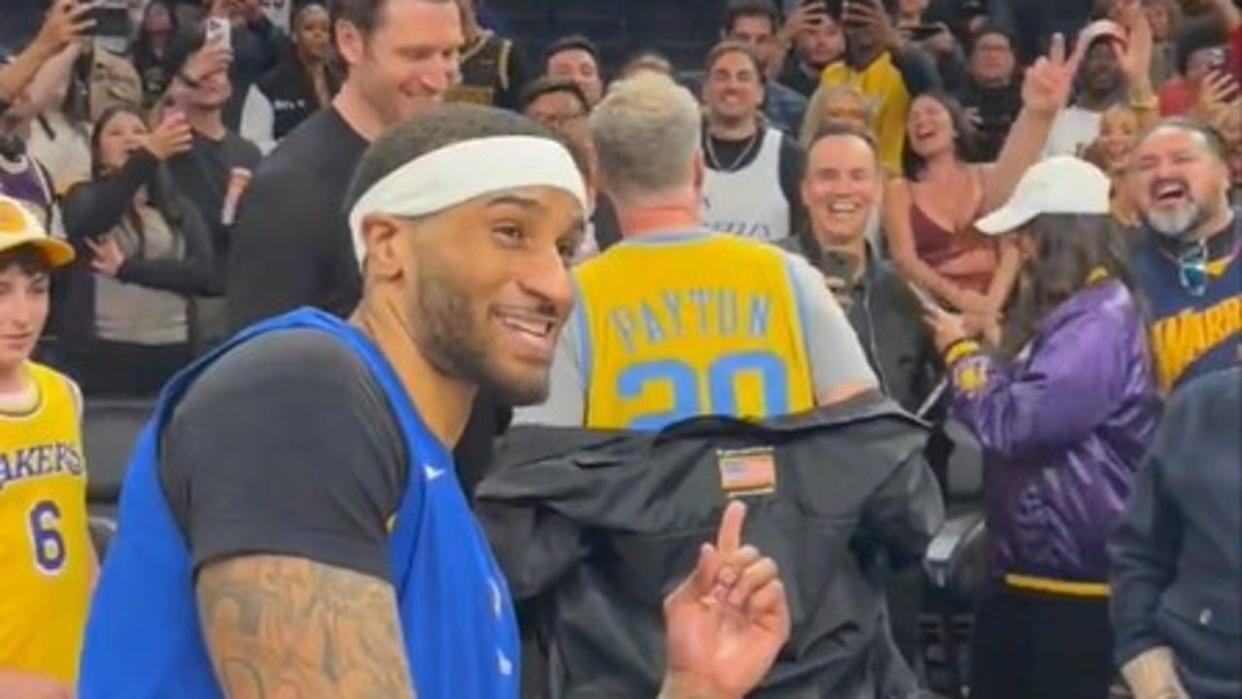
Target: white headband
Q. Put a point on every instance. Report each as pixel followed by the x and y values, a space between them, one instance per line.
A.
pixel 451 175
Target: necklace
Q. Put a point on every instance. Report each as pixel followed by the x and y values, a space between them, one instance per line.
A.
pixel 714 161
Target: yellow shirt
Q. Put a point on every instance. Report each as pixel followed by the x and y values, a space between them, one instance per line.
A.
pixel 45 548
pixel 689 325
pixel 885 88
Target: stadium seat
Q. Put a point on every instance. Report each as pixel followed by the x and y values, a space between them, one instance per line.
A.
pixel 956 568
pixel 110 428
pixel 102 530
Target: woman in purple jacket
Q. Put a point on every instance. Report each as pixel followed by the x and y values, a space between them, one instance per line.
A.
pixel 1063 401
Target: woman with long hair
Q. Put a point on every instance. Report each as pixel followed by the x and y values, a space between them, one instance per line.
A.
pixel 150 50
pixel 1062 397
pixel 302 84
pixel 143 250
pixel 929 211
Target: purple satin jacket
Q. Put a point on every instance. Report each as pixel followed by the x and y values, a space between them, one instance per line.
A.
pixel 1063 428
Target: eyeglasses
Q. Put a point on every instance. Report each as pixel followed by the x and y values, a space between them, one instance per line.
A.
pixel 557 121
pixel 1192 269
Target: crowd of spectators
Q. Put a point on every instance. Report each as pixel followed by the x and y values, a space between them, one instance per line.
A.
pixel 941 163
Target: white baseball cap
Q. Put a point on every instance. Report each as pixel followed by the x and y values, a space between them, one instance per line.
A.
pixel 18 227
pixel 1059 185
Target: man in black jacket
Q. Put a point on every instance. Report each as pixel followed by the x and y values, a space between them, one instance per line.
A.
pixel 842 187
pixel 595 527
pixel 1176 559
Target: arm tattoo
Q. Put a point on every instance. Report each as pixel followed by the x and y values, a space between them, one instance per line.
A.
pixel 278 626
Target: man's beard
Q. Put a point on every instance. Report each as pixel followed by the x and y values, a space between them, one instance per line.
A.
pixel 454 344
pixel 1181 224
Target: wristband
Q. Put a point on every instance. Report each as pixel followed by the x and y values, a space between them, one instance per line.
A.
pixel 958 350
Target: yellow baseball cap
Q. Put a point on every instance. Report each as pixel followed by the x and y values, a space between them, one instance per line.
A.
pixel 18 227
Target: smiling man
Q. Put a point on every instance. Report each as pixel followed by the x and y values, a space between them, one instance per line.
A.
pixel 292 523
pixel 291 244
pixel 753 169
pixel 1187 263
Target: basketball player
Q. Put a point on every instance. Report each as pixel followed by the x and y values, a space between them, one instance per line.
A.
pixel 292 523
pixel 45 548
pixel 676 321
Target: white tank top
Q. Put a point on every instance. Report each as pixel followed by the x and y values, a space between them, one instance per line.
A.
pixel 749 202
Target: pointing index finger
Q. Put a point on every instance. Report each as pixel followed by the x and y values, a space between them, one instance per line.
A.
pixel 729 537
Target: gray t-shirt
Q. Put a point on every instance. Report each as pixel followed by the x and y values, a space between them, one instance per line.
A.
pixel 833 352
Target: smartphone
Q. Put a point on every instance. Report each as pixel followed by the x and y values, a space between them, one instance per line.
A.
pixel 110 20
pixel 1217 58
pixel 219 31
pixel 925 31
pixel 835 264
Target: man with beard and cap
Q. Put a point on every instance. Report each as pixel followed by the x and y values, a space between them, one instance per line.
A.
pixel 1187 260
pixel 292 522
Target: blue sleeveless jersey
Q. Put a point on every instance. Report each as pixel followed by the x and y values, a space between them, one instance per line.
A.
pixel 144 640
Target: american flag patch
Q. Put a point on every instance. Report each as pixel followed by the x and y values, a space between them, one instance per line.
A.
pixel 747 471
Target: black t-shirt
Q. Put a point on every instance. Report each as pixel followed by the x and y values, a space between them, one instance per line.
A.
pixel 288 446
pixel 202 174
pixel 791 167
pixel 292 245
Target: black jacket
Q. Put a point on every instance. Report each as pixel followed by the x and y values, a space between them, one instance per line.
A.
pixel 888 319
pixel 93 209
pixel 597 527
pixel 1177 554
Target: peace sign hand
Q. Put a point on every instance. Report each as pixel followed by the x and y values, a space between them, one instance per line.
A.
pixel 725 624
pixel 1047 85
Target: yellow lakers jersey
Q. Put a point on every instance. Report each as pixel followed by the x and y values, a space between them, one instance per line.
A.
pixel 882 84
pixel 690 324
pixel 45 549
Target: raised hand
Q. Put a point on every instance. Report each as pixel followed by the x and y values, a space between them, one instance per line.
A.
pixel 170 137
pixel 206 61
pixel 1049 80
pixel 1220 90
pixel 807 15
pixel 66 22
pixel 1134 55
pixel 725 624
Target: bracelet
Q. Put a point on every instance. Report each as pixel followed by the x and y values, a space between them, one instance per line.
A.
pixel 958 350
pixel 1150 104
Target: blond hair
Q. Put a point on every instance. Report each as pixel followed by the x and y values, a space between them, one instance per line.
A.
pixel 646 133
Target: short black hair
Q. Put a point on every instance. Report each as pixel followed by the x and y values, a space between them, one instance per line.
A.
pixel 27 258
pixel 549 86
pixel 570 43
pixel 736 9
pixel 442 126
pixel 992 30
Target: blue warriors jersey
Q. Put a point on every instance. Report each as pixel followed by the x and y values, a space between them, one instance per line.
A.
pixel 144 638
pixel 1193 335
pixel 679 325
